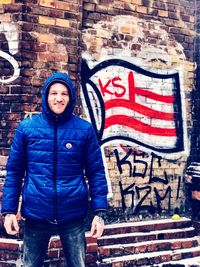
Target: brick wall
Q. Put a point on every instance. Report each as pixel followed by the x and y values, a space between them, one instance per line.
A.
pixel 135 60
pixel 40 37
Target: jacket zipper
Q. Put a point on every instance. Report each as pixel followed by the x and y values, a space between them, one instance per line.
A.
pixel 55 174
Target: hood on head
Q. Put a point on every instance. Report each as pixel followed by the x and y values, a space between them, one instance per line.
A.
pixel 66 80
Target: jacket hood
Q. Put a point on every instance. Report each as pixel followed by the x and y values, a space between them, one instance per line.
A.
pixel 66 80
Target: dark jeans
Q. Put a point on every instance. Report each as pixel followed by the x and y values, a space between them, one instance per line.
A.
pixel 38 234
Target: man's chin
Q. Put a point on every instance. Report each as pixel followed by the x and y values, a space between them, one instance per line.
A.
pixel 58 112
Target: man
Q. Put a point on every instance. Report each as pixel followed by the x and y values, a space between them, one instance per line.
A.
pixel 53 151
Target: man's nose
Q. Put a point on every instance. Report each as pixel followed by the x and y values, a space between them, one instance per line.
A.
pixel 59 98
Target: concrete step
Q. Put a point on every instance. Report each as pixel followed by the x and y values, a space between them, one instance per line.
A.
pixel 144 247
pixel 144 243
pixel 150 258
pixel 143 236
pixel 191 262
pixel 147 226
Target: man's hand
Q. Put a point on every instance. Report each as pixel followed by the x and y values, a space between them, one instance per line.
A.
pixel 11 225
pixel 97 227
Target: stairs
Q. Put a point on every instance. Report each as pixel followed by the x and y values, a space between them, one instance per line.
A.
pixel 158 243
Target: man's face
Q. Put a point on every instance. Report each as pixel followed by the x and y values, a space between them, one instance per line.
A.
pixel 58 98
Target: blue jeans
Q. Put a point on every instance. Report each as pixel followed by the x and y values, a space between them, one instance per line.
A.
pixel 37 236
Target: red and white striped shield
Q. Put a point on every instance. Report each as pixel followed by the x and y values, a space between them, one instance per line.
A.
pixel 126 102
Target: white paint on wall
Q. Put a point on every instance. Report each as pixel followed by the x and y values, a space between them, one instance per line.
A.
pixel 11 32
pixel 130 32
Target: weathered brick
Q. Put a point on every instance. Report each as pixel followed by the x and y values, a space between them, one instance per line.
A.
pixel 101 9
pixel 46 20
pixel 176 245
pixel 6 256
pixel 5 17
pixel 13 8
pixel 40 47
pixel 196 253
pixel 138 2
pixel 90 258
pixel 55 13
pixel 187 244
pixel 125 29
pixel 3 161
pixel 53 253
pixel 89 7
pixel 62 23
pixel 162 13
pixel 140 249
pixel 62 5
pixel 176 257
pixel 47 3
pixel 46 57
pixel 57 47
pixel 3 264
pixel 6 1
pixel 55 243
pixel 92 247
pixel 45 38
pixel 141 9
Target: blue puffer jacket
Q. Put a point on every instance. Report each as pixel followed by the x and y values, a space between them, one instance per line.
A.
pixel 54 153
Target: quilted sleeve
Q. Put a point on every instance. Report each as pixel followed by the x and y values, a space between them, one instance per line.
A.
pixel 15 172
pixel 94 170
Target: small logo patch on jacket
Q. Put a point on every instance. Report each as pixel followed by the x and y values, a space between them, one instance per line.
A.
pixel 68 145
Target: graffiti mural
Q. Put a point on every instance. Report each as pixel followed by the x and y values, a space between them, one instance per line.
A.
pixel 10 31
pixel 133 93
pixel 135 105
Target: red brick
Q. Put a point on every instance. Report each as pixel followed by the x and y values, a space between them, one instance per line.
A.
pixel 165 258
pixel 3 161
pixel 92 247
pixel 13 8
pixel 105 252
pixel 176 245
pixel 90 239
pixel 152 247
pixel 196 253
pixel 5 256
pixel 140 249
pixel 8 264
pixel 187 244
pixel 53 253
pixel 155 259
pixel 55 243
pixel 176 257
pixel 142 261
pixel 90 258
pixel 8 246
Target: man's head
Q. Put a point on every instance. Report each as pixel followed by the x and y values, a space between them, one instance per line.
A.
pixel 58 97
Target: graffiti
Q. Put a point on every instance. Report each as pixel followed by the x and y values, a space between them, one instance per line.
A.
pixel 122 98
pixel 10 31
pixel 134 105
pixel 133 77
pixel 142 194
